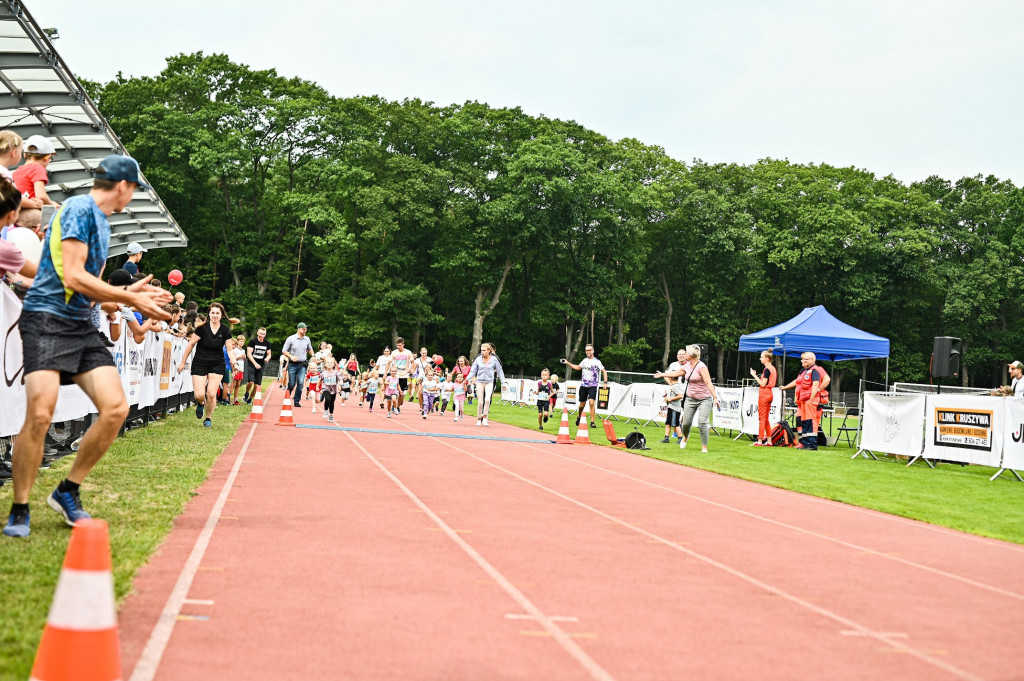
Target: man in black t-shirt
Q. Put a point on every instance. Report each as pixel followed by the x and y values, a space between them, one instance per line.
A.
pixel 257 354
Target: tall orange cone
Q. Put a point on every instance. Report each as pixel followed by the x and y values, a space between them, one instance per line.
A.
pixel 286 410
pixel 563 429
pixel 582 434
pixel 80 639
pixel 256 415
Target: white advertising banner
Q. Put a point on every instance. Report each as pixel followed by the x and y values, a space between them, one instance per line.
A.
pixel 510 389
pixel 729 413
pixel 148 371
pixel 893 424
pixel 966 429
pixel 751 413
pixel 567 393
pixel 1013 433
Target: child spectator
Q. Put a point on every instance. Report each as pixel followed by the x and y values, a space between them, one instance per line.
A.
pixel 673 417
pixel 459 395
pixel 135 251
pixel 429 390
pixel 330 378
pixel 543 398
pixel 31 178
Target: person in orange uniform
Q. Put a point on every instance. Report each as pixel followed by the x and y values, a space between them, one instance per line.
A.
pixel 768 379
pixel 807 384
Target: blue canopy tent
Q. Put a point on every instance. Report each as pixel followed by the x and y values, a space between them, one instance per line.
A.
pixel 816 330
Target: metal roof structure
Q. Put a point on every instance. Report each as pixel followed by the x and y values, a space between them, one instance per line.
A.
pixel 40 96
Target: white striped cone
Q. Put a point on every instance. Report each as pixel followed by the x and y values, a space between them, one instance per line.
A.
pixel 80 639
pixel 563 429
pixel 286 411
pixel 582 433
pixel 256 415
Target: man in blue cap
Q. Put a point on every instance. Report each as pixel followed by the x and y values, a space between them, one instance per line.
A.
pixel 61 345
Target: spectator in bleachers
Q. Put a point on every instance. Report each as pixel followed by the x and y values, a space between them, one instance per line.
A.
pixel 10 152
pixel 12 260
pixel 31 177
pixel 135 251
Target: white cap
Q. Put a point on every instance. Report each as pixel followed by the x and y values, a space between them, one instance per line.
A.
pixel 135 247
pixel 37 144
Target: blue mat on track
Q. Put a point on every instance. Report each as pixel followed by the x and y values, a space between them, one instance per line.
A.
pixel 405 432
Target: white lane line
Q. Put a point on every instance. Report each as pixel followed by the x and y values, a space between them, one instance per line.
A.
pixel 197 601
pixel 153 653
pixel 739 574
pixel 794 528
pixel 553 618
pixel 564 640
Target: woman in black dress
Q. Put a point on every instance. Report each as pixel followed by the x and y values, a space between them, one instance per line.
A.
pixel 208 363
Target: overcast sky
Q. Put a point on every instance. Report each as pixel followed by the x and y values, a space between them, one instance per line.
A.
pixel 896 87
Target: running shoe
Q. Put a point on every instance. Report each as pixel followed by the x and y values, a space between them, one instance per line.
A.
pixel 246 399
pixel 682 443
pixel 479 421
pixel 17 525
pixel 424 416
pixel 389 414
pixel 330 418
pixel 68 504
pixel 398 411
pixel 314 408
pixel 540 427
pixel 237 403
pixel 485 420
pixel 199 411
pixel 207 423
pixel 593 425
pixel 545 419
pixel 665 440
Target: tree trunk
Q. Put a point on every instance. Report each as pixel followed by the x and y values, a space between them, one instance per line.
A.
pixel 298 262
pixel 416 339
pixel 394 333
pixel 663 287
pixel 963 367
pixel 621 336
pixel 480 312
pixel 721 365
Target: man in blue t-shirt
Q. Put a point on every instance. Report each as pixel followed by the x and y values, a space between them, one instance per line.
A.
pixel 61 345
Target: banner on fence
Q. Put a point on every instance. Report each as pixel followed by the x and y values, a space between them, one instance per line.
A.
pixel 965 429
pixel 751 409
pixel 148 371
pixel 1013 434
pixel 729 412
pixel 893 424
pixel 510 390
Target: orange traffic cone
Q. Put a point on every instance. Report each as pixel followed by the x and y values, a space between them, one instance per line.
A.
pixel 256 415
pixel 80 638
pixel 609 432
pixel 563 429
pixel 582 434
pixel 286 410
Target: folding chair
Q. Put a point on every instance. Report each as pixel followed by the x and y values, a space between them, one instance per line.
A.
pixel 845 430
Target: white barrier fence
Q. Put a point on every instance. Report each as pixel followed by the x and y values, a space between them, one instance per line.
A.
pixel 645 402
pixel 969 429
pixel 148 371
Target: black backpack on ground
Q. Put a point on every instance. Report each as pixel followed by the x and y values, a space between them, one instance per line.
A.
pixel 783 435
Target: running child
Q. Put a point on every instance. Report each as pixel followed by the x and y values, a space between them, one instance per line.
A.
pixel 392 385
pixel 447 389
pixel 370 388
pixel 313 387
pixel 543 398
pixel 554 391
pixel 346 388
pixel 329 379
pixel 459 396
pixel 429 390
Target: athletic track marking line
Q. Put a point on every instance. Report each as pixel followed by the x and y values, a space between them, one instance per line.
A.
pixel 156 645
pixel 794 528
pixel 851 625
pixel 548 623
pixel 403 433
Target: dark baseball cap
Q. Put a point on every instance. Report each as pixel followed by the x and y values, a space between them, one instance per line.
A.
pixel 120 278
pixel 117 168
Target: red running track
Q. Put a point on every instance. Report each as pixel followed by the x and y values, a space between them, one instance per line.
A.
pixel 332 554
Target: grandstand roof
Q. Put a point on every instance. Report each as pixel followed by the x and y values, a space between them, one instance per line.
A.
pixel 40 96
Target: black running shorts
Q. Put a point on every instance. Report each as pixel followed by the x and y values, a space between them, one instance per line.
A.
pixel 55 343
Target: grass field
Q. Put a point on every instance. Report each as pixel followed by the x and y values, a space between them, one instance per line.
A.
pixel 959 497
pixel 139 487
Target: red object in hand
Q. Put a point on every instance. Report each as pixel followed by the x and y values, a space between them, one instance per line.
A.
pixel 438 360
pixel 175 277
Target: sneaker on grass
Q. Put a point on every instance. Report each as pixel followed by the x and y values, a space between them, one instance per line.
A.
pixel 68 504
pixel 17 525
pixel 665 440
pixel 199 411
pixel 207 423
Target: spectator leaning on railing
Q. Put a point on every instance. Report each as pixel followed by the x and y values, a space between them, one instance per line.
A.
pixel 12 260
pixel 60 344
pixel 31 177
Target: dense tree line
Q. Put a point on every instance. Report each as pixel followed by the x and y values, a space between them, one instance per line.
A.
pixel 449 225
